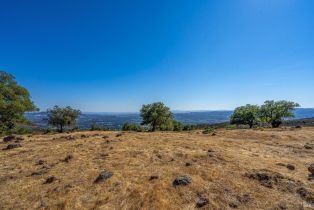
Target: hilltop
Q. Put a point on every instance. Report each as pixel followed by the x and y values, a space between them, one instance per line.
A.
pixel 243 169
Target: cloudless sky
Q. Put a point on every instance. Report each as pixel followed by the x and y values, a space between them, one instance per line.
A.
pixel 192 55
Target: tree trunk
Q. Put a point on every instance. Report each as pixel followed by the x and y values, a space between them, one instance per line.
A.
pixel 276 123
pixel 154 127
pixel 61 128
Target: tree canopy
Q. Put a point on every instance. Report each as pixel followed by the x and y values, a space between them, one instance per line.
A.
pixel 61 117
pixel 245 115
pixel 15 100
pixel 273 112
pixel 157 116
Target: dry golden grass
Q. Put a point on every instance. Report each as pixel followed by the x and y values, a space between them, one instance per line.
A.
pixel 224 176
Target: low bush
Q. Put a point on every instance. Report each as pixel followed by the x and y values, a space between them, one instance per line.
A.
pixel 18 130
pixel 209 130
pixel 177 126
pixel 132 127
pixel 95 127
pixel 189 127
pixel 48 130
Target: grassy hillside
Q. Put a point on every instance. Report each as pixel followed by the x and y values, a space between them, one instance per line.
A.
pixel 243 169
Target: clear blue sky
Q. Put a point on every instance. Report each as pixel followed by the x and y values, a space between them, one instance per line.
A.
pixel 192 55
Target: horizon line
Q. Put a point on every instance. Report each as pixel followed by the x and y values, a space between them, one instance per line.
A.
pixel 174 111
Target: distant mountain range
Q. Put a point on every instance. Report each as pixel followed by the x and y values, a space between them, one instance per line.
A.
pixel 116 120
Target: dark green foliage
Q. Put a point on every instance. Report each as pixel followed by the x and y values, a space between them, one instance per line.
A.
pixel 21 130
pixel 273 112
pixel 62 117
pixel 132 127
pixel 167 125
pixel 177 126
pixel 14 101
pixel 157 116
pixel 189 127
pixel 245 115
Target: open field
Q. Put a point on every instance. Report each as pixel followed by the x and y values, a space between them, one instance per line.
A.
pixel 243 169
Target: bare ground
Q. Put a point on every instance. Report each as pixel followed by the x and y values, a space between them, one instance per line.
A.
pixel 242 169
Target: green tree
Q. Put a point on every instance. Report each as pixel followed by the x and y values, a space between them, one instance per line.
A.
pixel 61 117
pixel 245 115
pixel 273 112
pixel 15 100
pixel 157 116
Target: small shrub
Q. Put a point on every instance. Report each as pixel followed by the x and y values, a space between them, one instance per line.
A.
pixel 209 130
pixel 177 126
pixel 189 127
pixel 132 127
pixel 231 127
pixel 48 130
pixel 19 131
pixel 95 127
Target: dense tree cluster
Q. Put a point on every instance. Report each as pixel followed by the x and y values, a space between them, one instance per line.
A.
pixel 271 112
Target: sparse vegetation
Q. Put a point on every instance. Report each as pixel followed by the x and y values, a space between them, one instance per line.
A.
pixel 15 100
pixel 188 151
pixel 62 117
pixel 132 127
pixel 243 169
pixel 217 160
pixel 95 127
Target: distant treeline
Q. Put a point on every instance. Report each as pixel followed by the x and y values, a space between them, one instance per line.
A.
pixel 15 100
